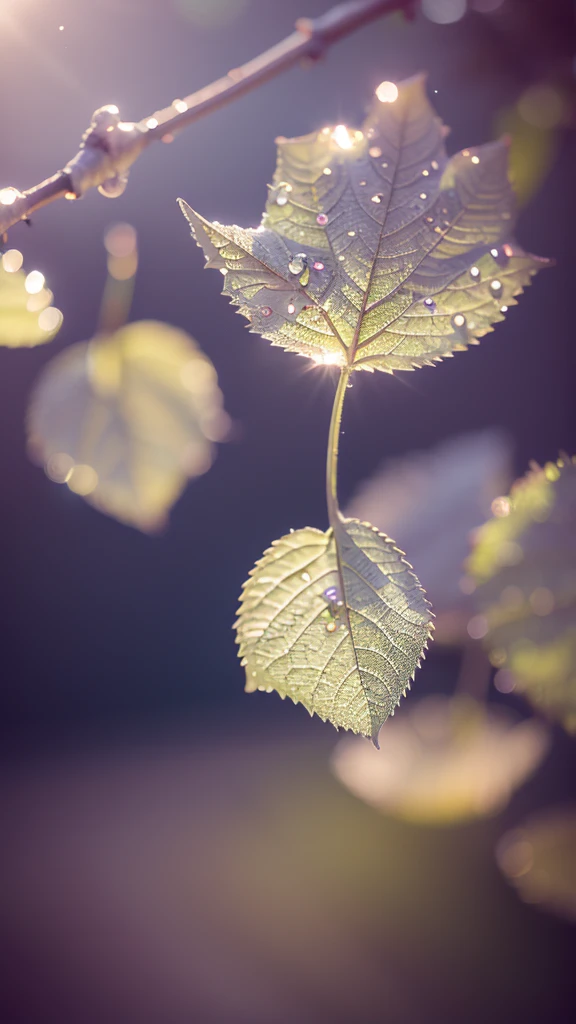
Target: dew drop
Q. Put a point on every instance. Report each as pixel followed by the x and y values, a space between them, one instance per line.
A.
pixel 377 198
pixel 305 576
pixel 429 220
pixel 496 288
pixel 503 309
pixel 474 272
pixel 362 182
pixel 475 159
pixel 266 311
pixel 281 199
pixel 459 320
pixel 331 627
pixel 494 253
pixel 438 230
pixel 322 219
pixel 291 307
pixel 384 165
pixel 434 165
pixel 423 195
pixel 318 265
pixel 330 594
pixel 341 258
pixel 375 151
pixel 425 173
pixel 327 170
pixel 508 250
pixel 351 234
pixel 298 263
pixel 430 304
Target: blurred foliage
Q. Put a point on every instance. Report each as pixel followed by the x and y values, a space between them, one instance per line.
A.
pixel 431 502
pixel 524 562
pixel 539 859
pixel 335 621
pixel 126 419
pixel 400 269
pixel 27 317
pixel 443 761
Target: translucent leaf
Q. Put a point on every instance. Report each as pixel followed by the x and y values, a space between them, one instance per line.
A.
pixel 524 564
pixel 539 859
pixel 443 761
pixel 431 502
pixel 27 317
pixel 375 249
pixel 336 621
pixel 127 418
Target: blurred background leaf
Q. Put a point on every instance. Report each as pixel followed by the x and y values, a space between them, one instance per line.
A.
pixel 126 419
pixel 430 502
pixel 524 565
pixel 443 761
pixel 539 859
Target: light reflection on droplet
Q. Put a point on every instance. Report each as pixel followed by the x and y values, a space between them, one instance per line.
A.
pixel 474 272
pixel 342 137
pixel 500 507
pixel 34 282
pixel 8 196
pixel 387 92
pixel 152 122
pixel 475 159
pixel 459 320
pixel 180 105
pixel 12 261
pixel 327 170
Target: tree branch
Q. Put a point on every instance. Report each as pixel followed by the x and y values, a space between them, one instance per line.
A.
pixel 110 146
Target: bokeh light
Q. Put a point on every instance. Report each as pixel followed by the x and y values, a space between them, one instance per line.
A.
pixel 539 860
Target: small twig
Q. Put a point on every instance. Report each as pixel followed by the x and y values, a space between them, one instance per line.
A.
pixel 110 146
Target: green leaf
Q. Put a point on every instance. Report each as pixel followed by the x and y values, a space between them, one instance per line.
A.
pixel 524 565
pixel 376 250
pixel 126 419
pixel 336 621
pixel 27 317
pixel 445 760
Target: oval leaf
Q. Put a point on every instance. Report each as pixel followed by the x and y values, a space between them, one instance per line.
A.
pixel 336 621
pixel 126 419
pixel 27 318
pixel 524 565
pixel 445 760
pixel 375 250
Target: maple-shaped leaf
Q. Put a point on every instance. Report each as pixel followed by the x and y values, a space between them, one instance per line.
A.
pixel 336 621
pixel 126 419
pixel 524 565
pixel 376 251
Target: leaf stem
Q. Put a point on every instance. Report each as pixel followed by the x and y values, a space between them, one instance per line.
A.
pixel 334 445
